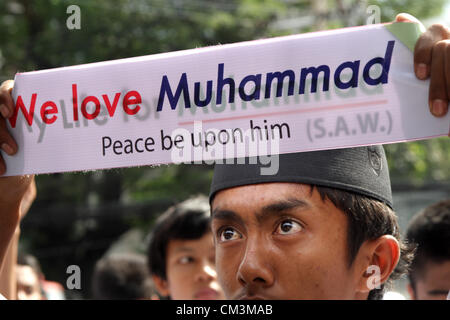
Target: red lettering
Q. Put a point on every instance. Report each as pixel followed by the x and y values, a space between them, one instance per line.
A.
pixel 48 108
pixel 111 109
pixel 132 97
pixel 75 102
pixel 28 116
pixel 84 110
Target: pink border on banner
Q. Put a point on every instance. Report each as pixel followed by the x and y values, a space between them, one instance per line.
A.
pixel 336 107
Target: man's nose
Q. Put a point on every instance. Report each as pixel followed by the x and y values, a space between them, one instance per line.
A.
pixel 255 268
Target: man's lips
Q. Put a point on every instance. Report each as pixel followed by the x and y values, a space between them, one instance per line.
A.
pixel 206 294
pixel 249 296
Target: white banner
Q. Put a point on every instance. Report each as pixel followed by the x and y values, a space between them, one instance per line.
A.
pixel 323 90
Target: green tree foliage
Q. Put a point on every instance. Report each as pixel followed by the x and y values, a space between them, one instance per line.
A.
pixel 420 9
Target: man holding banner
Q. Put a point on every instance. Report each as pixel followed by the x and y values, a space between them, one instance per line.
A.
pixel 322 227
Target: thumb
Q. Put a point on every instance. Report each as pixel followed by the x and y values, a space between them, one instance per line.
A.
pixel 406 17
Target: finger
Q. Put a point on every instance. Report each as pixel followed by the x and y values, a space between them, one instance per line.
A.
pixel 424 48
pixel 6 100
pixel 406 17
pixel 7 142
pixel 438 97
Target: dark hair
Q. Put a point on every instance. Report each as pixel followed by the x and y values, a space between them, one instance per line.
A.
pixel 429 231
pixel 121 276
pixel 25 259
pixel 368 219
pixel 188 220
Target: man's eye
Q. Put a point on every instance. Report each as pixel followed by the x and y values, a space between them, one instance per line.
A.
pixel 288 227
pixel 185 260
pixel 229 234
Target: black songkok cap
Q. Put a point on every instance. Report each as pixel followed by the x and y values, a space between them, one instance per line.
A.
pixel 361 170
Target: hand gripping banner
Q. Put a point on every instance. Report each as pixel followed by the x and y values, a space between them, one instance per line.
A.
pixel 323 90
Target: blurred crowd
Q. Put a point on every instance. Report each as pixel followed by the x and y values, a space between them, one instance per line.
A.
pixel 180 260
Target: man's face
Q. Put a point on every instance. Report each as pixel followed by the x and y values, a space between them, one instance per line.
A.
pixel 28 286
pixel 279 241
pixel 191 272
pixel 434 284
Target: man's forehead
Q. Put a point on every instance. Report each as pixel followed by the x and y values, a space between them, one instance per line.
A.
pixel 260 194
pixel 25 274
pixel 268 200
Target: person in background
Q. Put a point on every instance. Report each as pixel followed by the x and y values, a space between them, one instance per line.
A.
pixel 122 277
pixel 53 290
pixel 429 230
pixel 181 254
pixel 29 275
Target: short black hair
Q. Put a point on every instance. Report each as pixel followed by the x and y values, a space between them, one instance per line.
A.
pixel 188 220
pixel 26 259
pixel 122 277
pixel 429 231
pixel 368 219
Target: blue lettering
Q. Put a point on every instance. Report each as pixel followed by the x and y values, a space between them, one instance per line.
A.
pixel 173 100
pixel 257 90
pixel 279 77
pixel 385 62
pixel 221 82
pixel 207 100
pixel 315 75
pixel 280 80
pixel 354 66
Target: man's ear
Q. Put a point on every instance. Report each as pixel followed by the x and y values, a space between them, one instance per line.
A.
pixel 380 259
pixel 161 285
